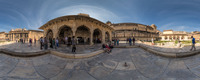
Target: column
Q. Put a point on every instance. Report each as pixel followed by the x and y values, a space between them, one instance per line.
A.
pixel 168 38
pixel 103 36
pixel 11 36
pixel 91 37
pixel 186 38
pixel 163 38
pixel 74 31
pixel 172 37
pixel 55 32
pixel 110 36
pixel 14 37
pixel 180 37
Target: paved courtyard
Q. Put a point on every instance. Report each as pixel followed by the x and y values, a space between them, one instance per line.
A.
pixel 141 65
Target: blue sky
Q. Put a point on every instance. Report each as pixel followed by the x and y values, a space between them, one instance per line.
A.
pixel 180 15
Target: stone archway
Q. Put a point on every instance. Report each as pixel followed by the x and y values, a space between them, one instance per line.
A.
pixel 107 37
pixel 97 36
pixel 65 31
pixel 49 34
pixel 83 35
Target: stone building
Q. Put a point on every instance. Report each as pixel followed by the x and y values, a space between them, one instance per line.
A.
pixel 2 36
pixel 85 29
pixel 195 34
pixel 170 35
pixel 138 31
pixel 19 33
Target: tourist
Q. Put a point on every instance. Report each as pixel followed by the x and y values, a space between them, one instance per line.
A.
pixel 74 49
pixel 103 46
pixel 54 43
pixel 66 40
pixel 30 42
pixel 193 44
pixel 118 42
pixel 130 41
pixel 41 42
pixel 115 41
pixel 35 41
pixel 133 41
pixel 51 43
pixel 111 47
pixel 152 41
pixel 57 43
pixel 108 49
pixel 127 40
pixel 73 40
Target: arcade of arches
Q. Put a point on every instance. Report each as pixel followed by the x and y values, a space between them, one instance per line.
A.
pixel 85 29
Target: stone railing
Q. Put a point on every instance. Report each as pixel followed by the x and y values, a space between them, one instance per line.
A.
pixel 170 54
pixel 6 43
pixel 60 54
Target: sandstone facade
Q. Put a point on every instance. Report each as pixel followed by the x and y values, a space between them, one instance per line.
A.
pixel 82 27
pixel 24 34
pixel 138 31
pixel 170 35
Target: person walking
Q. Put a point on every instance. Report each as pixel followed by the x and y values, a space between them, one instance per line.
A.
pixel 57 43
pixel 35 41
pixel 51 43
pixel 115 41
pixel 133 41
pixel 73 48
pixel 118 42
pixel 30 42
pixel 54 43
pixel 73 40
pixel 41 43
pixel 193 44
pixel 66 40
pixel 130 41
pixel 127 40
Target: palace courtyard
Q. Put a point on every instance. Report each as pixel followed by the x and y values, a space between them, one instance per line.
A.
pixel 121 64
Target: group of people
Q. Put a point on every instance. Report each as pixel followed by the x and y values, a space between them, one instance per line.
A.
pixel 116 41
pixel 129 40
pixel 54 43
pixel 108 47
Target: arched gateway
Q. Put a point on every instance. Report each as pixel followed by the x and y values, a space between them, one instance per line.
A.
pixel 86 29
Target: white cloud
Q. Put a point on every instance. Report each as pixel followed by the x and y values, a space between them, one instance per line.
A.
pixel 95 12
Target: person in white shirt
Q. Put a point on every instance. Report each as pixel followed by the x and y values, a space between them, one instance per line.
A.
pixel 66 40
pixel 57 43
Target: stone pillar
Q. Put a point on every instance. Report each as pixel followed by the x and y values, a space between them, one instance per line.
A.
pixel 12 36
pixel 176 37
pixel 91 37
pixel 163 38
pixel 103 36
pixel 186 37
pixel 45 32
pixel 74 31
pixel 172 37
pixel 168 38
pixel 55 32
pixel 180 37
pixel 110 36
